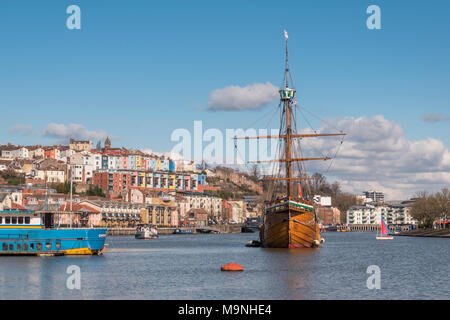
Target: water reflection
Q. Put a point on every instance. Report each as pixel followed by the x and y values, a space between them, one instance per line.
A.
pixel 188 267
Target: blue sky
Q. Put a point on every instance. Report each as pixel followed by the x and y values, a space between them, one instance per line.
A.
pixel 140 69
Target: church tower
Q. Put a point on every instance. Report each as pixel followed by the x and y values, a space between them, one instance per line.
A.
pixel 107 143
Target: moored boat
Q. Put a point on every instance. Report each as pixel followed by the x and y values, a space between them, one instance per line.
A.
pixel 146 232
pixel 32 233
pixel 182 231
pixel 289 219
pixel 290 223
pixel 251 225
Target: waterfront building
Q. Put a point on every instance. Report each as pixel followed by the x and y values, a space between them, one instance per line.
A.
pixel 328 215
pixel 196 218
pixel 365 215
pixel 394 214
pixel 212 204
pixel 400 214
pixel 116 213
pixel 40 201
pixel 238 213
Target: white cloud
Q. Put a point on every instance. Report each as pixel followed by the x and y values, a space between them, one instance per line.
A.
pixel 377 155
pixel 170 154
pixel 435 117
pixel 235 98
pixel 77 131
pixel 21 129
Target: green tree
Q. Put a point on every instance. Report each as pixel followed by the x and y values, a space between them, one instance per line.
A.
pixel 343 202
pixel 62 187
pixel 12 177
pixel 443 203
pixel 95 191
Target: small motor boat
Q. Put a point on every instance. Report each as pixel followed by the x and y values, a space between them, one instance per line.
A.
pixel 146 232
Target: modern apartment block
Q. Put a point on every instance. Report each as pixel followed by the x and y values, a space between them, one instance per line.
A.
pixel 394 214
pixel 376 196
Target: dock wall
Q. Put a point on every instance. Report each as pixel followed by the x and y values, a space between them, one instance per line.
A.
pixel 373 227
pixel 226 228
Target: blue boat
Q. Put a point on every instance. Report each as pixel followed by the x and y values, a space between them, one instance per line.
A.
pixel 33 233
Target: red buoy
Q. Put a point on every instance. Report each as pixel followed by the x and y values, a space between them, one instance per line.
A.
pixel 232 267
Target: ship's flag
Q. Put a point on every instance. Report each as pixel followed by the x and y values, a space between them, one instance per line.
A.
pixel 285 34
pixel 300 194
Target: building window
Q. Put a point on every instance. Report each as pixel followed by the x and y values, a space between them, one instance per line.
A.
pixel 58 245
pixel 38 246
pixel 32 246
pixel 18 246
pixel 25 246
pixel 5 247
pixel 11 247
pixel 48 245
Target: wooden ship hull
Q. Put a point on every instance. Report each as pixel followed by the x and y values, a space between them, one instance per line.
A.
pixel 290 224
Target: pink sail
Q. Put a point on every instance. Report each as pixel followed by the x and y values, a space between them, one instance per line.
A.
pixel 384 228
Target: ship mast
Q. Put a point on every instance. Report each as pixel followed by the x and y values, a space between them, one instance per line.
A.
pixel 288 112
pixel 287 99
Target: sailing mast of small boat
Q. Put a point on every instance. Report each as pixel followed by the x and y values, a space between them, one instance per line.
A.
pixel 290 221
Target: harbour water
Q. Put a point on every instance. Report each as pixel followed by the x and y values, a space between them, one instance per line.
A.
pixel 188 267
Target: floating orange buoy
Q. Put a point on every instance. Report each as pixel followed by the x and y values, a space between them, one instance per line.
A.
pixel 232 267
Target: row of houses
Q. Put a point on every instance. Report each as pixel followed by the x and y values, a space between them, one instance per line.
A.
pixel 113 169
pixel 121 181
pixel 106 158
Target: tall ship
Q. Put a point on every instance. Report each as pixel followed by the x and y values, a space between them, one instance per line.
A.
pixel 25 232
pixel 289 219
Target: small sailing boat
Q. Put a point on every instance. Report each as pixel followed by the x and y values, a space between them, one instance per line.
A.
pixel 384 231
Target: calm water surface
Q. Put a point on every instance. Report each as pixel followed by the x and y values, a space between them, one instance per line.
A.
pixel 188 267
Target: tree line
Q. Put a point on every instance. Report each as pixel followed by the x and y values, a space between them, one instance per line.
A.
pixel 429 207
